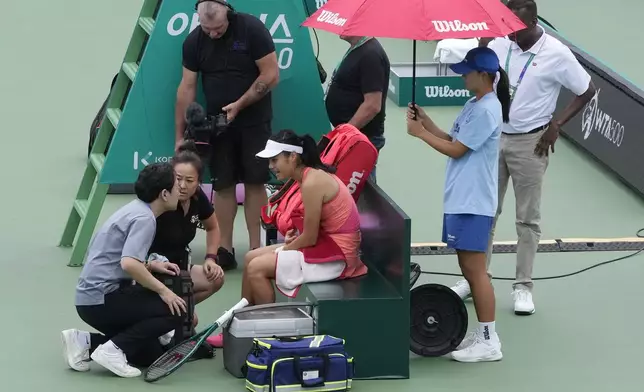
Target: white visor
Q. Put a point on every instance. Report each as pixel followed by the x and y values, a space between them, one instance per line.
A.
pixel 272 149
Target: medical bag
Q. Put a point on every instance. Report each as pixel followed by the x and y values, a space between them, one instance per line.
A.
pixel 309 363
pixel 260 321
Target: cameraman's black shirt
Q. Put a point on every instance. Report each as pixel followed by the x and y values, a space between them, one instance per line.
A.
pixel 176 229
pixel 364 70
pixel 228 68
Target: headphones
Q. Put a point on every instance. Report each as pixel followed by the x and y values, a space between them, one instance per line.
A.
pixel 231 10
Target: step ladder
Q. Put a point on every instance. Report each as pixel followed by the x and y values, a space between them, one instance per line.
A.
pixel 91 192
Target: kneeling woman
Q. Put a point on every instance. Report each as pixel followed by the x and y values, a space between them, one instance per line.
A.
pixel 176 229
pixel 321 245
pixel 471 187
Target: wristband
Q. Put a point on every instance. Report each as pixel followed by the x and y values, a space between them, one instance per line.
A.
pixel 211 256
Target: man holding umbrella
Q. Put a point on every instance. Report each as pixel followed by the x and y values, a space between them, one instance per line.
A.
pixel 538 65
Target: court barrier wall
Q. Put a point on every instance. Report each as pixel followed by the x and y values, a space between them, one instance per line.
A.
pixel 610 127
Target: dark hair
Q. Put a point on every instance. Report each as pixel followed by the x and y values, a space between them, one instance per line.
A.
pixel 188 153
pixel 152 180
pixel 529 5
pixel 310 155
pixel 503 93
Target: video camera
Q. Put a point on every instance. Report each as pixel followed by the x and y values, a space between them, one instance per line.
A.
pixel 201 128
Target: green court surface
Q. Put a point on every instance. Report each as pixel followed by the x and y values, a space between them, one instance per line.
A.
pixel 58 61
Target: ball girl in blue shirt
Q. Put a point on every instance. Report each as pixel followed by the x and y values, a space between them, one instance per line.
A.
pixel 471 186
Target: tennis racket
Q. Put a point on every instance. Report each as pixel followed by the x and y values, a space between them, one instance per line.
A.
pixel 175 357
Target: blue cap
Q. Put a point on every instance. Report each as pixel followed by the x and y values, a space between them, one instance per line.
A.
pixel 480 59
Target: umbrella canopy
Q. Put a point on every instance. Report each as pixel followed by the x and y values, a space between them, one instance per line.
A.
pixel 424 20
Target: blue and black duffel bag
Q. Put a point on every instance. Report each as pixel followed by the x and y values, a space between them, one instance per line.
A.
pixel 307 363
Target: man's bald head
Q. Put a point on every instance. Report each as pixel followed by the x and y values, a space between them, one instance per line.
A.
pixel 527 8
pixel 526 11
pixel 213 18
pixel 212 11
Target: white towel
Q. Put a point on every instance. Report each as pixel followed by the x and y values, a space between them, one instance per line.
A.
pixel 292 271
pixel 288 272
pixel 452 51
pixel 157 257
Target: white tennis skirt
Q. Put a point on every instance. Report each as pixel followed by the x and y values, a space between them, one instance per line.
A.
pixel 291 271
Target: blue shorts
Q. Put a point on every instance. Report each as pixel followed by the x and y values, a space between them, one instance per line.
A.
pixel 467 232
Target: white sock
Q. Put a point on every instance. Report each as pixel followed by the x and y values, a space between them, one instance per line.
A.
pixel 84 339
pixel 486 330
pixel 110 347
pixel 166 338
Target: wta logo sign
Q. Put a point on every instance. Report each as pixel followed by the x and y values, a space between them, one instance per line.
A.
pixel 332 18
pixel 445 26
pixel 595 119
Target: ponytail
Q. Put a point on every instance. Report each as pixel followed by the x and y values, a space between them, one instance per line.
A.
pixel 503 93
pixel 311 155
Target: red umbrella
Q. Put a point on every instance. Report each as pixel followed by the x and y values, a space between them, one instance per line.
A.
pixel 425 20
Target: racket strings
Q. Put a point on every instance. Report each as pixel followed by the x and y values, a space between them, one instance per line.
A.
pixel 171 358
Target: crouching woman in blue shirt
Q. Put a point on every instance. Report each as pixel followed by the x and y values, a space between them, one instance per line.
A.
pixel 471 186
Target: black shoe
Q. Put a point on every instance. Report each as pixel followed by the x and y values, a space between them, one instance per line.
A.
pixel 205 351
pixel 226 260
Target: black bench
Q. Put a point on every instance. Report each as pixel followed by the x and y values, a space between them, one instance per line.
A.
pixel 371 312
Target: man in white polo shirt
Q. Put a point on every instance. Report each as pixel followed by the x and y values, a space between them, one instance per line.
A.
pixel 538 65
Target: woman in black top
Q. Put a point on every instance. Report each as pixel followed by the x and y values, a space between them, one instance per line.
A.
pixel 176 229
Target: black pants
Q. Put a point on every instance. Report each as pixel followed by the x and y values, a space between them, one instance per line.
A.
pixel 233 160
pixel 379 143
pixel 133 318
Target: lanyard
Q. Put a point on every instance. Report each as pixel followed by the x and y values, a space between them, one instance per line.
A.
pixel 513 89
pixel 351 49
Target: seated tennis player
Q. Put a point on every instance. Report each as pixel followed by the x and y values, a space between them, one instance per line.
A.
pixel 322 241
pixel 471 187
pixel 130 317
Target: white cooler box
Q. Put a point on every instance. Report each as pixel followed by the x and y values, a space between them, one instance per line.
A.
pixel 285 319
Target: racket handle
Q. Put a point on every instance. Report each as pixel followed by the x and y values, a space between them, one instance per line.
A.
pixel 229 313
pixel 242 303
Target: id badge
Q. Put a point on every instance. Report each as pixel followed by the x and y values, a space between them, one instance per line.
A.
pixel 513 90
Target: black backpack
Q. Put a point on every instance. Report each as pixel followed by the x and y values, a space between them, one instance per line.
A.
pixel 96 124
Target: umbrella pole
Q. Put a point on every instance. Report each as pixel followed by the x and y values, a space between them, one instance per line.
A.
pixel 413 82
pixel 413 76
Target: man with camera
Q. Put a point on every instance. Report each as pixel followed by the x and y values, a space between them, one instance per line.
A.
pixel 235 54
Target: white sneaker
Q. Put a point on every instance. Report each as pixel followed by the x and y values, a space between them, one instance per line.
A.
pixel 469 340
pixel 114 360
pixel 462 289
pixel 76 346
pixel 480 350
pixel 523 304
pixel 166 338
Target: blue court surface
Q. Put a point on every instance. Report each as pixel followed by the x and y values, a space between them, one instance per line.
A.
pixel 59 58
